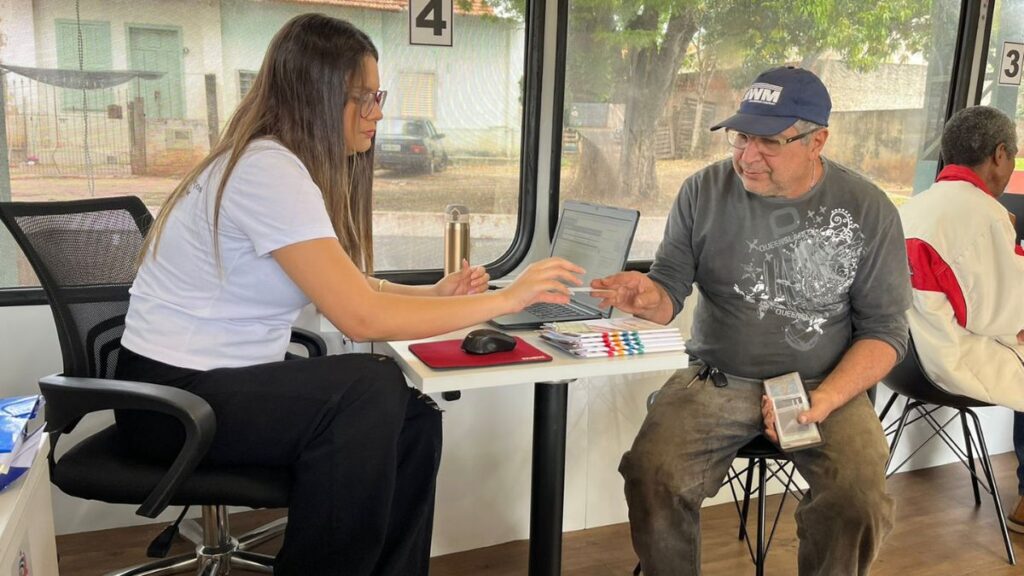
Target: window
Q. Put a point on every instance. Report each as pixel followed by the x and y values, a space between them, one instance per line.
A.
pixel 183 66
pixel 1009 27
pixel 416 94
pixel 95 55
pixel 643 88
pixel 245 78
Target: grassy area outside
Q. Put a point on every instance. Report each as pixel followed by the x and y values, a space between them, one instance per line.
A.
pixel 485 188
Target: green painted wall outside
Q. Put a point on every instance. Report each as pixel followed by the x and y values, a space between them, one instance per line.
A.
pixel 476 105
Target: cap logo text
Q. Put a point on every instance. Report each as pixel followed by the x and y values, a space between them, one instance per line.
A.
pixel 763 93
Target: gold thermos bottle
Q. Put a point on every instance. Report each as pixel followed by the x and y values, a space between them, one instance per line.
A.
pixel 456 237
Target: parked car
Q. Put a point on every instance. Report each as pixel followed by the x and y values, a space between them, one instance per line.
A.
pixel 409 143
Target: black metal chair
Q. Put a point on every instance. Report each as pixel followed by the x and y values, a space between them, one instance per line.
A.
pixel 925 398
pixel 84 253
pixel 1014 203
pixel 770 462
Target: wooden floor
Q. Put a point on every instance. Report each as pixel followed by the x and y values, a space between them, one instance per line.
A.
pixel 939 532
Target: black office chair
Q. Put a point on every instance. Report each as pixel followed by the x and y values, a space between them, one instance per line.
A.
pixel 925 398
pixel 84 253
pixel 770 462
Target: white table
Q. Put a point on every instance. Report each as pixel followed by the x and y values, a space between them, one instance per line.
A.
pixel 551 379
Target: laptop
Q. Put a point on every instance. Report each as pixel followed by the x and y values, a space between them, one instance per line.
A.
pixel 595 237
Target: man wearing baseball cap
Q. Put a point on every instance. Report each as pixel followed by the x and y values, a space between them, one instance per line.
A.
pixel 801 267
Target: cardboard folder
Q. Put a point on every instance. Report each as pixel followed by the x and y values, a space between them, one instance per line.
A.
pixel 449 354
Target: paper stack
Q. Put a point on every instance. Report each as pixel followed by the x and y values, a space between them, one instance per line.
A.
pixel 612 337
pixel 22 458
pixel 16 413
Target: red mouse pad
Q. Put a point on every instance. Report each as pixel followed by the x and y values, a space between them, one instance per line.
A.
pixel 449 354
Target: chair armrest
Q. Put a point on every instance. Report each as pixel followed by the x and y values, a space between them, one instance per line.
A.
pixel 313 343
pixel 68 399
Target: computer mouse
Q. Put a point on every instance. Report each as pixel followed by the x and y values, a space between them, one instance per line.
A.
pixel 487 341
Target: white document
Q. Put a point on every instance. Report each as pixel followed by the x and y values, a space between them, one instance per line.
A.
pixel 789 399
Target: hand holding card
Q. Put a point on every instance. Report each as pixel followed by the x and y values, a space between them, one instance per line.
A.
pixel 788 400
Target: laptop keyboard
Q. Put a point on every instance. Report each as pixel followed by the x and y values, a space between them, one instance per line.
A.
pixel 553 311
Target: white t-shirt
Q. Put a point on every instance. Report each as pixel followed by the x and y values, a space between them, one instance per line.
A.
pixel 187 312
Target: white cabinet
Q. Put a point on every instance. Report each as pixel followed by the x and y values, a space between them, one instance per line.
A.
pixel 26 521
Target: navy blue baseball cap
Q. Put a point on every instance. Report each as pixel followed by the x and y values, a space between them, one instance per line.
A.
pixel 777 99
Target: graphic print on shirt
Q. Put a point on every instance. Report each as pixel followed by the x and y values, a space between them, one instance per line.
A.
pixel 804 272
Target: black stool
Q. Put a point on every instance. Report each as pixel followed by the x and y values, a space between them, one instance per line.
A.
pixel 770 462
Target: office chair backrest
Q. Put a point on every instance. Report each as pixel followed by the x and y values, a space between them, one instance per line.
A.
pixel 83 253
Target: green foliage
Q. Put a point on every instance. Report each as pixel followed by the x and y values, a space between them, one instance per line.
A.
pixel 753 34
pixel 863 34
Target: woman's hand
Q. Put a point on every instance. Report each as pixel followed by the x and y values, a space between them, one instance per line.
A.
pixel 468 280
pixel 544 281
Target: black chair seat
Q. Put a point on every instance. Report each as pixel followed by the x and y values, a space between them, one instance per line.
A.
pixel 760 447
pixel 99 468
pixel 908 379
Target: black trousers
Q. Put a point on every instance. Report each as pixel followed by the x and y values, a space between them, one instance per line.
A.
pixel 363 449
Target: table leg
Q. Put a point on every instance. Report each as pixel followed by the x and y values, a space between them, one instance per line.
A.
pixel 547 483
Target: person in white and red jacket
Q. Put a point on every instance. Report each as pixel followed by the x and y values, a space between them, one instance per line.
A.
pixel 967 318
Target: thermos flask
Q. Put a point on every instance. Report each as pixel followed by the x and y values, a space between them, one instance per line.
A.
pixel 456 237
pixel 456 247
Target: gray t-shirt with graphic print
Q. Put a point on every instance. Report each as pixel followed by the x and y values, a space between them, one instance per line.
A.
pixel 786 285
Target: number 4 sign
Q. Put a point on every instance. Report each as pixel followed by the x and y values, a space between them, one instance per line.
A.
pixel 430 22
pixel 1012 62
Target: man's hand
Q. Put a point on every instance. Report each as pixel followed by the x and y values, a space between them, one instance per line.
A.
pixel 822 404
pixel 1020 337
pixel 636 294
pixel 468 280
pixel 769 420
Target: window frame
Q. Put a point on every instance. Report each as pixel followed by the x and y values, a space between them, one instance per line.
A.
pixel 529 155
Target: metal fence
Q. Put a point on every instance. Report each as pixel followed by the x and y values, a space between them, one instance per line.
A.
pixel 62 132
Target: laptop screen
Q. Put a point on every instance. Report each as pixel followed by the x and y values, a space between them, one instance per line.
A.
pixel 595 237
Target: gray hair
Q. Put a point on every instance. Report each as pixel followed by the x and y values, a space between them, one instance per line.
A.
pixel 974 133
pixel 803 126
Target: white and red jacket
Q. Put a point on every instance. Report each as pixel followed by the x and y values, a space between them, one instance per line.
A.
pixel 968 280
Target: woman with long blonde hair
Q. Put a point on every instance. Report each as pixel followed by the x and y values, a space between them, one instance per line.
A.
pixel 276 216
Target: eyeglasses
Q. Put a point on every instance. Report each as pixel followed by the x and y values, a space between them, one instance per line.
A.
pixel 367 101
pixel 768 145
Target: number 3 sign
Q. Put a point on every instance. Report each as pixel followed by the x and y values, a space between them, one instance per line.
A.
pixel 1013 61
pixel 430 22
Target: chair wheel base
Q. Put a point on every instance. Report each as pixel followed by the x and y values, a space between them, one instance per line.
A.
pixel 210 561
